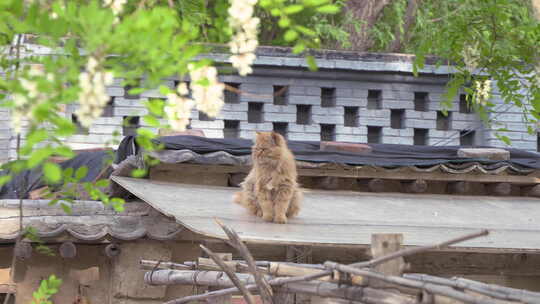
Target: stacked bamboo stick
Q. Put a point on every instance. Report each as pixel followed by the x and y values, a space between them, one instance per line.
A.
pixel 365 282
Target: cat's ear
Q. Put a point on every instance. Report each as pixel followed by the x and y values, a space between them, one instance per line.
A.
pixel 277 139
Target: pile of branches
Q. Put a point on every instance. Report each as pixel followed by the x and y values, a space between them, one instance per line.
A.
pixel 360 282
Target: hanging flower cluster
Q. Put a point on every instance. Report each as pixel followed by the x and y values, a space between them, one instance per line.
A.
pixel 178 107
pixel 24 104
pixel 244 41
pixel 206 94
pixel 471 57
pixel 93 97
pixel 117 6
pixel 206 90
pixel 482 91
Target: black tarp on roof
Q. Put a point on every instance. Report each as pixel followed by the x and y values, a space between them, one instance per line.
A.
pixel 383 155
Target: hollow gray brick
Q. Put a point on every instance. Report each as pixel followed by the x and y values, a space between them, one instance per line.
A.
pixel 306 100
pixel 351 102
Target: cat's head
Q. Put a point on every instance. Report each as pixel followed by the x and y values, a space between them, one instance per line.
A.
pixel 268 144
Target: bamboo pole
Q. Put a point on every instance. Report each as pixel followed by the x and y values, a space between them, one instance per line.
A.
pixel 323 289
pixel 498 292
pixel 400 281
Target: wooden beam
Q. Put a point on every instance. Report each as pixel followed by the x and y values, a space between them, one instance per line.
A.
pixel 531 191
pixel 373 184
pixel 367 172
pixel 459 187
pixel 416 186
pixel 501 189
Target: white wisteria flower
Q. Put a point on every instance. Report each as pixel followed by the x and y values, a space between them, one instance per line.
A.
pixel 117 6
pixel 482 91
pixel 93 97
pixel 178 107
pixel 25 103
pixel 244 41
pixel 206 90
pixel 471 57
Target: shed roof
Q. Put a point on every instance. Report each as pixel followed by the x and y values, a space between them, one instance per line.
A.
pixel 88 221
pixel 349 218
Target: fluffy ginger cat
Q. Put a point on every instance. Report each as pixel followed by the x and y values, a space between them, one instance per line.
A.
pixel 270 190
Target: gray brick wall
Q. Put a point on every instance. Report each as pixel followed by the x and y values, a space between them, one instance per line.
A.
pixel 351 84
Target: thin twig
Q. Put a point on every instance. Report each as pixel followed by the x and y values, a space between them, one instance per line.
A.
pixel 264 288
pixel 247 295
pixel 429 287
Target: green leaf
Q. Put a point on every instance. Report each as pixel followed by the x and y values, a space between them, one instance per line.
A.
pixel 66 208
pixel 117 204
pixel 81 173
pixel 4 179
pixel 284 22
pixel 304 30
pixel 155 106
pixel 328 9
pixel 102 183
pixel 37 136
pixel 52 172
pixel 151 121
pixel 39 156
pixel 64 151
pixel 290 35
pixel 299 48
pixel 312 64
pixel 293 9
pixel 138 173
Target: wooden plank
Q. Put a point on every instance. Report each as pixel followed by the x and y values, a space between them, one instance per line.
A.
pixel 349 218
pixel 8 288
pixel 371 172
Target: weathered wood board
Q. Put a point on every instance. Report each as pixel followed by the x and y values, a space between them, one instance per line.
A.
pixel 349 218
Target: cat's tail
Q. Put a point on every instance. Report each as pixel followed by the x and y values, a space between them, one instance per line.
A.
pixel 296 201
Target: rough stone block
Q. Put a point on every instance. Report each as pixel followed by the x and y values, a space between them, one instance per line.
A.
pixel 130 254
pixel 332 146
pixel 492 154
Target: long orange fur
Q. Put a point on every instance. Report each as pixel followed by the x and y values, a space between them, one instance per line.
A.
pixel 270 190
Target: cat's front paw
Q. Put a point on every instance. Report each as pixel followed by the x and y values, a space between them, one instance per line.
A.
pixel 280 220
pixel 268 217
